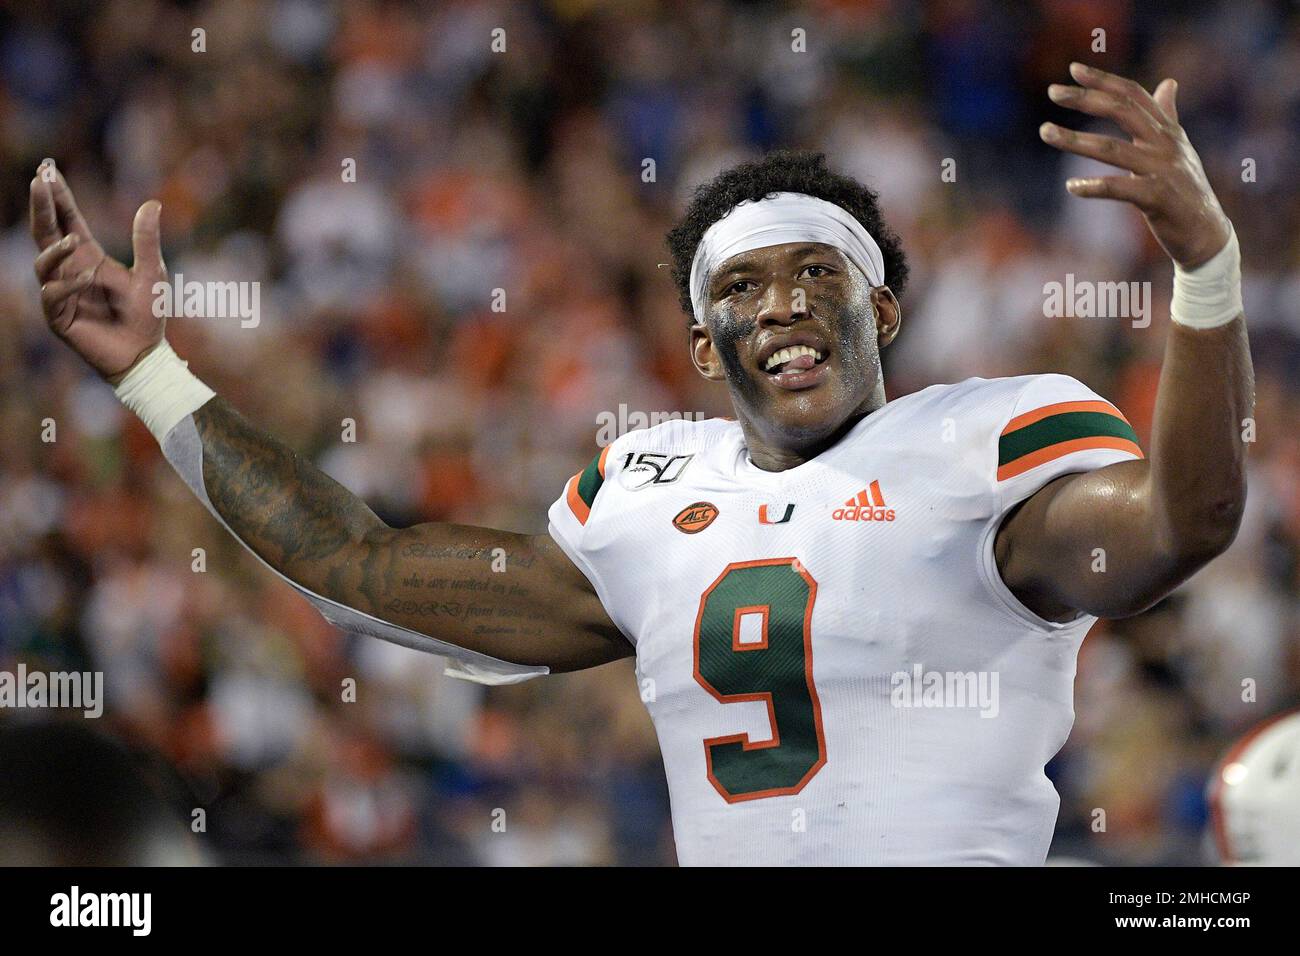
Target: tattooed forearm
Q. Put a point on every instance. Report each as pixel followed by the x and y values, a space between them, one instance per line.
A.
pixel 512 596
pixel 288 511
pixel 422 549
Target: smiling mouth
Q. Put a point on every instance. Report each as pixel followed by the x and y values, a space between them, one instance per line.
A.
pixel 796 367
pixel 793 358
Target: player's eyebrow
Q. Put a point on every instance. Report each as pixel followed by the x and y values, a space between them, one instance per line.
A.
pixel 746 263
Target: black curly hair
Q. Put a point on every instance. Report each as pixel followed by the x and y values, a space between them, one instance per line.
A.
pixel 783 170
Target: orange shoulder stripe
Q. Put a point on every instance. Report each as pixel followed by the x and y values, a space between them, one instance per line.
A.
pixel 1060 449
pixel 1060 408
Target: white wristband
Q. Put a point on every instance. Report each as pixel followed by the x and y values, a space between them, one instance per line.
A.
pixel 162 390
pixel 1210 294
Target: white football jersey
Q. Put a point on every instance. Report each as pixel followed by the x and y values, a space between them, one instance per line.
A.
pixel 835 670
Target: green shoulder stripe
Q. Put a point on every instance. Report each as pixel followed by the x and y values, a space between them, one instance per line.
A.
pixel 1054 429
pixel 592 477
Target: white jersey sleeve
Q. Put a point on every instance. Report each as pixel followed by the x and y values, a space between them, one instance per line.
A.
pixel 602 513
pixel 1055 426
pixel 574 522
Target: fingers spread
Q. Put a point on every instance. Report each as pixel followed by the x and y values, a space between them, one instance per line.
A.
pixel 1130 115
pixel 1122 89
pixel 146 239
pixel 1107 149
pixel 1138 190
pixel 1120 86
pixel 49 260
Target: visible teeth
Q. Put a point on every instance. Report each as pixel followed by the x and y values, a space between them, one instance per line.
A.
pixel 786 355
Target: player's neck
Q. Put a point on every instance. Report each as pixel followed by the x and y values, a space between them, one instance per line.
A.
pixel 783 452
pixel 777 457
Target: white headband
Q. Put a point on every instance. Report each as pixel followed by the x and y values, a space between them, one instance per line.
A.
pixel 775 219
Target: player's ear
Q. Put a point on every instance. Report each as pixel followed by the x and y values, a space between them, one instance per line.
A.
pixel 889 314
pixel 704 355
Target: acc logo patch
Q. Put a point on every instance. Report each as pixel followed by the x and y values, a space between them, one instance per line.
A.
pixel 695 518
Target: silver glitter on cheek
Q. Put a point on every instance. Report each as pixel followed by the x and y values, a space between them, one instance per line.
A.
pixel 729 326
pixel 854 324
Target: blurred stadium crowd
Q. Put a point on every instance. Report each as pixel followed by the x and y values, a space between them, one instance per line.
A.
pixel 524 170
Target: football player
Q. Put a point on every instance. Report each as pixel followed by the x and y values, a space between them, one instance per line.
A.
pixel 855 621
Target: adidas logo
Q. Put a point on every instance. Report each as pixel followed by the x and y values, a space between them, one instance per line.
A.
pixel 867 505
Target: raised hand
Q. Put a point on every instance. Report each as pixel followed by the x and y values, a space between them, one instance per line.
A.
pixel 99 307
pixel 1166 180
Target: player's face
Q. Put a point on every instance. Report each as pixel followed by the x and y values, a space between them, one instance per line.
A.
pixel 808 299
